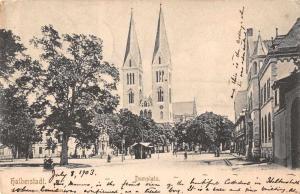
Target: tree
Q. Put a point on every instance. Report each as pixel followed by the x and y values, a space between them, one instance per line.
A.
pixel 74 84
pixel 208 129
pixel 18 130
pixel 11 52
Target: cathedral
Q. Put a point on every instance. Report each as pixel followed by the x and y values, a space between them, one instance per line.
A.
pixel 158 105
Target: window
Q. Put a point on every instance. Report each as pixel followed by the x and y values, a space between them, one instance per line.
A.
pixel 131 97
pixel 266 129
pixel 170 95
pixel 255 68
pixel 127 79
pixel 268 88
pixel 129 62
pixel 141 113
pixel 156 76
pixel 132 78
pixel 160 95
pixel 261 96
pixel 150 114
pixel 159 60
pixel 262 130
pixel 40 150
pixel 276 97
pixel 161 115
pixel 145 113
pixel 265 96
pixel 269 126
pixel 53 151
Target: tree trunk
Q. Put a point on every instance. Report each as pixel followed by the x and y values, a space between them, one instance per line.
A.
pixel 14 151
pixel 96 146
pixel 64 150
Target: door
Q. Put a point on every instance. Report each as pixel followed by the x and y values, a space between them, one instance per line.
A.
pixel 295 127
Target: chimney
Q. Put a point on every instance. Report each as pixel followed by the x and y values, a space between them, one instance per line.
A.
pixel 276 32
pixel 249 31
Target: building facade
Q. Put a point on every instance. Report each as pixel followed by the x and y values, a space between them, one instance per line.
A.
pixel 159 104
pixel 286 121
pixel 267 62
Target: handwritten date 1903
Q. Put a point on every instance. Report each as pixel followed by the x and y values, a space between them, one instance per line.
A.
pixel 82 173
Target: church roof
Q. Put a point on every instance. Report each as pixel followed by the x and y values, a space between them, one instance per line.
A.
pixel 132 46
pixel 161 41
pixel 184 108
pixel 260 48
pixel 288 44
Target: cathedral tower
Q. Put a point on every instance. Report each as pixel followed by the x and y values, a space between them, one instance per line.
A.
pixel 132 72
pixel 161 75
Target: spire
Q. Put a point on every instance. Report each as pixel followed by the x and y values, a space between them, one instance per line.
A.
pixel 161 46
pixel 132 51
pixel 260 48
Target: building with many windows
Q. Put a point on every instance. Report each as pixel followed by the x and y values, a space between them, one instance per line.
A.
pixel 159 104
pixel 270 62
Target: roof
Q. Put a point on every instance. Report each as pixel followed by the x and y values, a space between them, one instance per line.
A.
pixel 288 44
pixel 161 46
pixel 288 81
pixel 2 146
pixel 252 44
pixel 184 108
pixel 260 48
pixel 292 39
pixel 146 144
pixel 132 47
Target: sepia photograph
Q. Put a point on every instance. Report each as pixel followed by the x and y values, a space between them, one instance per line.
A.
pixel 162 96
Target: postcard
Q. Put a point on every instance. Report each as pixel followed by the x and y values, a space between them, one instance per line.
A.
pixel 162 96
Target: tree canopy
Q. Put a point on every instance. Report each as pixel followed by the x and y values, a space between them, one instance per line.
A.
pixel 207 129
pixel 74 84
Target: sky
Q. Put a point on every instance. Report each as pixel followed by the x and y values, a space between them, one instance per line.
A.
pixel 202 36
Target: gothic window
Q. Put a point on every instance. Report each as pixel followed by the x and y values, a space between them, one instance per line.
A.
pixel 262 129
pixel 269 126
pixel 268 88
pixel 145 104
pixel 132 78
pixel 131 97
pixel 127 79
pixel 265 91
pixel 266 129
pixel 156 76
pixel 276 97
pixel 129 62
pixel 145 114
pixel 162 76
pixel 160 95
pixel 159 60
pixel 255 68
pixel 159 77
pixel 261 96
pixel 161 115
pixel 150 114
pixel 170 95
pixel 141 113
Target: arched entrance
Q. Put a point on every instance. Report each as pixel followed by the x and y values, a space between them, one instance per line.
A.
pixel 295 129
